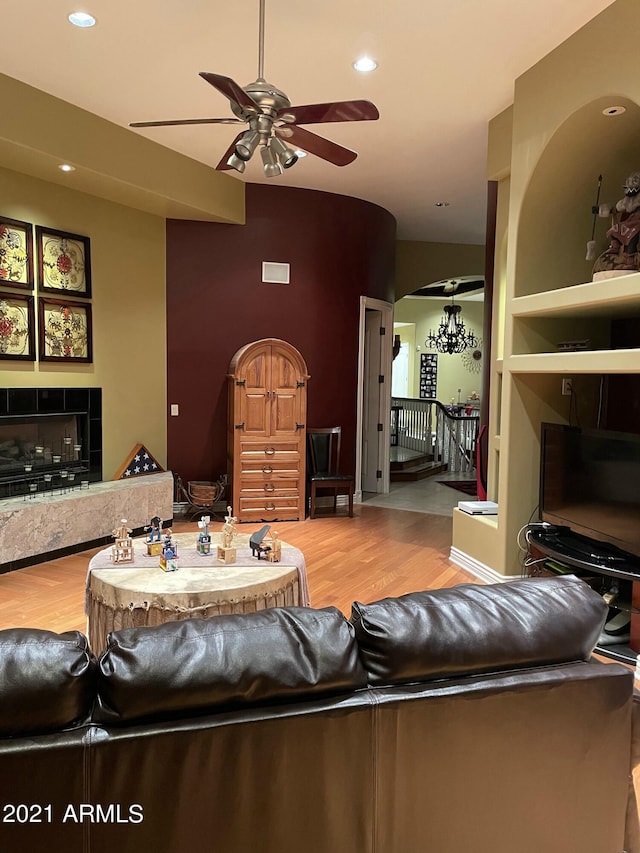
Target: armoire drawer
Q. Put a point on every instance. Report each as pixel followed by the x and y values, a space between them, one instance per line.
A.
pixel 269 490
pixel 269 503
pixel 268 449
pixel 271 469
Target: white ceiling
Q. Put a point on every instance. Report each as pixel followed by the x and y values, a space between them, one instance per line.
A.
pixel 445 69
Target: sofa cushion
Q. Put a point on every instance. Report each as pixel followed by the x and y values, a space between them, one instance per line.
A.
pixel 473 629
pixel 47 680
pixel 279 654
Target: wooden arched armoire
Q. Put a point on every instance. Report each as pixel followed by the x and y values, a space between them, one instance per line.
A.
pixel 266 449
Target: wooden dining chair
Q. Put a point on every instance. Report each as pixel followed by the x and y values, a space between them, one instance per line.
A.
pixel 323 467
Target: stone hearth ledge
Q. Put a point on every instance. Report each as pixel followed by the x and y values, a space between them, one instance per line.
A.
pixel 41 525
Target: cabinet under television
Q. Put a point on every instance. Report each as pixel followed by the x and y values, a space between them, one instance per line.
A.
pixel 590 523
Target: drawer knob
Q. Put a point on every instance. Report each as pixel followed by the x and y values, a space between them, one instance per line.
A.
pixel 267 469
pixel 270 506
pixel 270 451
pixel 269 487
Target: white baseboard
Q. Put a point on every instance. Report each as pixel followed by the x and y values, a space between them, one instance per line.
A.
pixel 475 567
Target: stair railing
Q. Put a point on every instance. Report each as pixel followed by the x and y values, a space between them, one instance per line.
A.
pixel 430 428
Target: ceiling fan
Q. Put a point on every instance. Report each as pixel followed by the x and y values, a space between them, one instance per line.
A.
pixel 270 118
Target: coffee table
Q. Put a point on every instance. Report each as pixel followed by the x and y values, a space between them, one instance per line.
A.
pixel 132 594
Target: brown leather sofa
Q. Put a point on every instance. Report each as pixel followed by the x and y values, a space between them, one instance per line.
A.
pixel 464 719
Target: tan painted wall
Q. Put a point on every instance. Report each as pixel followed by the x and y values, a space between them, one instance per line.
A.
pixel 452 372
pixel 128 308
pixel 419 263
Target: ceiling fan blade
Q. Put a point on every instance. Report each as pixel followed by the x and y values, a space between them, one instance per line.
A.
pixel 321 147
pixel 231 90
pixel 336 111
pixel 222 165
pixel 180 121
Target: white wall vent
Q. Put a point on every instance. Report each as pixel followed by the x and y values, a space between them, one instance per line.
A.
pixel 274 273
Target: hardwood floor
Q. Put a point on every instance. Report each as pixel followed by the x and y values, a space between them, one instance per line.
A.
pixel 377 553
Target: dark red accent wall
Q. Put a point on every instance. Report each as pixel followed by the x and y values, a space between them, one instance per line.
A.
pixel 339 249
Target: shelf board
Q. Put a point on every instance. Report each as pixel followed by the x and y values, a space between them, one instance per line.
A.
pixel 584 361
pixel 615 296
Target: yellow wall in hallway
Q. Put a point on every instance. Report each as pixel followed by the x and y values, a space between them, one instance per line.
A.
pixel 128 309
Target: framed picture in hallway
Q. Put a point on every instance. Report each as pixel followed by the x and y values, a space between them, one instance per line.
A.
pixel 64 262
pixel 16 253
pixel 428 374
pixel 64 331
pixel 16 327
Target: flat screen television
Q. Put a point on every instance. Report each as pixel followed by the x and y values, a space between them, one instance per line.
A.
pixel 590 481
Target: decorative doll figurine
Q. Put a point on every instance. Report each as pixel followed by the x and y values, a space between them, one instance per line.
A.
pixel 622 256
pixel 204 537
pixel 229 528
pixel 122 548
pixel 155 529
pixel 169 557
pixel 226 552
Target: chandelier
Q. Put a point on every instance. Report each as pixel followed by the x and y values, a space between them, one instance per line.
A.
pixel 452 336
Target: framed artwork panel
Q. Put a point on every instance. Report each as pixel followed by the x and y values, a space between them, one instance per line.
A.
pixel 17 322
pixel 64 331
pixel 64 262
pixel 16 253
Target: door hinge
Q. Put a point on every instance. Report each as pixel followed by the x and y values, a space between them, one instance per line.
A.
pixel 381 379
pixel 378 474
pixel 241 383
pixel 240 426
pixel 299 426
pixel 299 384
pixel 379 427
pixel 383 331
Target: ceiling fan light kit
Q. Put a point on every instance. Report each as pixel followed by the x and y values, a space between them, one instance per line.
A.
pixel 271 118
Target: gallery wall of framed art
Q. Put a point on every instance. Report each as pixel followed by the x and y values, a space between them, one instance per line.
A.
pixel 60 307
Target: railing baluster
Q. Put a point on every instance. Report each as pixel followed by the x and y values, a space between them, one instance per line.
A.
pixel 426 426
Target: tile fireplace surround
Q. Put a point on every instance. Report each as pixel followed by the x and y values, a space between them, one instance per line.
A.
pixel 39 519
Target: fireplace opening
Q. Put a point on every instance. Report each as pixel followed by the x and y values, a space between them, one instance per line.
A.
pixel 50 439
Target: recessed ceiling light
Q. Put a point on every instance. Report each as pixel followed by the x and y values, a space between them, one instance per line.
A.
pixel 66 167
pixel 614 111
pixel 365 63
pixel 441 203
pixel 82 19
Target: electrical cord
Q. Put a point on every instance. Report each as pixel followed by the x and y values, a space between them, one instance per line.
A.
pixel 527 560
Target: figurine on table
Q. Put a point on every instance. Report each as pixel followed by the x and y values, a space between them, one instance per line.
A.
pixel 274 554
pixel 155 529
pixel 228 528
pixel 169 557
pixel 226 551
pixel 122 532
pixel 122 548
pixel 204 537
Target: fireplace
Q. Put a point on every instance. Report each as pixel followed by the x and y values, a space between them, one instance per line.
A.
pixel 50 439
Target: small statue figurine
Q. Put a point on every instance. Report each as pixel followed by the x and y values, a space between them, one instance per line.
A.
pixel 226 553
pixel 274 554
pixel 621 256
pixel 155 529
pixel 122 548
pixel 154 536
pixel 229 528
pixel 169 556
pixel 204 537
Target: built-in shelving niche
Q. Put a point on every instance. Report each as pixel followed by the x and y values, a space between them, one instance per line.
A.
pixel 556 215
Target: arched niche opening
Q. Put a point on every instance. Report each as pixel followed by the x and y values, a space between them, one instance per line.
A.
pixel 556 219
